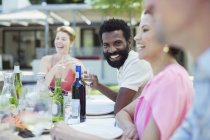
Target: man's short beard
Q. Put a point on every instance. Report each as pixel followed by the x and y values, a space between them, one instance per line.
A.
pixel 117 64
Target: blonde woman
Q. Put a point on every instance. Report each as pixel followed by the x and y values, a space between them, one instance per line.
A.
pixel 61 60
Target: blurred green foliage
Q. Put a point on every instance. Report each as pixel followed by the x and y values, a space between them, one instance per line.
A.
pixel 133 7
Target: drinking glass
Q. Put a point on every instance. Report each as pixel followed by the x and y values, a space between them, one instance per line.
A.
pixel 87 79
pixel 37 115
pixel 5 114
pixel 87 76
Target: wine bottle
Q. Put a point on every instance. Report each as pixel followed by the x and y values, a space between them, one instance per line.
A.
pixel 79 93
pixel 57 107
pixel 17 81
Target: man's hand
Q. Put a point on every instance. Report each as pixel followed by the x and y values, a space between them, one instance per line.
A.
pixel 95 83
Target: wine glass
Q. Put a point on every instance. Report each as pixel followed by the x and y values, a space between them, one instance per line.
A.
pixel 87 76
pixel 37 115
pixel 87 79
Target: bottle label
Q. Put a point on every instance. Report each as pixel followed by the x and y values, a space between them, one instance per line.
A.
pixel 56 108
pixel 67 107
pixel 75 108
pixel 77 74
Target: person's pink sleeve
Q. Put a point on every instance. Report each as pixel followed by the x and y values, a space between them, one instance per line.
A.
pixel 168 103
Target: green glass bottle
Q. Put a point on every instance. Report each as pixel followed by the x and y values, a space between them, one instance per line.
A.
pixel 57 107
pixel 17 81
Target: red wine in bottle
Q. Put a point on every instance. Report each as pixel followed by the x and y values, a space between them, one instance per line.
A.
pixel 79 93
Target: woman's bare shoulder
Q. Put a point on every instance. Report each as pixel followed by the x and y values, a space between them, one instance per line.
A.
pixel 45 63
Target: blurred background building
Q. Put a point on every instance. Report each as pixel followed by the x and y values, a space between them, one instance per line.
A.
pixel 27 30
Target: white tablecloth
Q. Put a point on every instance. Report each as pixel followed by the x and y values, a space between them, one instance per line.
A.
pixel 102 125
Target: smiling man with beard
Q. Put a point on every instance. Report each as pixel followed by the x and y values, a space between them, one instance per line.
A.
pixel 132 73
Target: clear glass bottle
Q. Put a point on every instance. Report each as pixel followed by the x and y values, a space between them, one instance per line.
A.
pixel 41 87
pixel 9 92
pixel 42 95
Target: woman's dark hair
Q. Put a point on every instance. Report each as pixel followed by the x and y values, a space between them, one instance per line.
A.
pixel 173 51
pixel 178 54
pixel 113 25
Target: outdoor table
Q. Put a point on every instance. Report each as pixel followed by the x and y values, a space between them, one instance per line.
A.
pixel 100 123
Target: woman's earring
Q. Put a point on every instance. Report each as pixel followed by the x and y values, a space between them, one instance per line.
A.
pixel 165 49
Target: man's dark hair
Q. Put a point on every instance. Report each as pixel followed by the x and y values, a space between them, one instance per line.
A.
pixel 113 25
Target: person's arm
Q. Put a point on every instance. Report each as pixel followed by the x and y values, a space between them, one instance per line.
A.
pixel 45 68
pixel 124 120
pixel 65 132
pixel 151 131
pixel 44 64
pixel 124 97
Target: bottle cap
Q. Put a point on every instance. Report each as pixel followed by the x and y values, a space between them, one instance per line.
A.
pixel 16 69
pixel 78 70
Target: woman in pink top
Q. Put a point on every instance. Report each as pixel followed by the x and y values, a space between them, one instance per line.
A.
pixel 61 63
pixel 165 100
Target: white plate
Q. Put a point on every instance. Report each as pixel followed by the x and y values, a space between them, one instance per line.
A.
pixel 42 137
pixel 105 131
pixel 99 108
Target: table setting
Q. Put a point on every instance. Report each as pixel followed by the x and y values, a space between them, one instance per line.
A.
pixel 99 121
pixel 30 111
